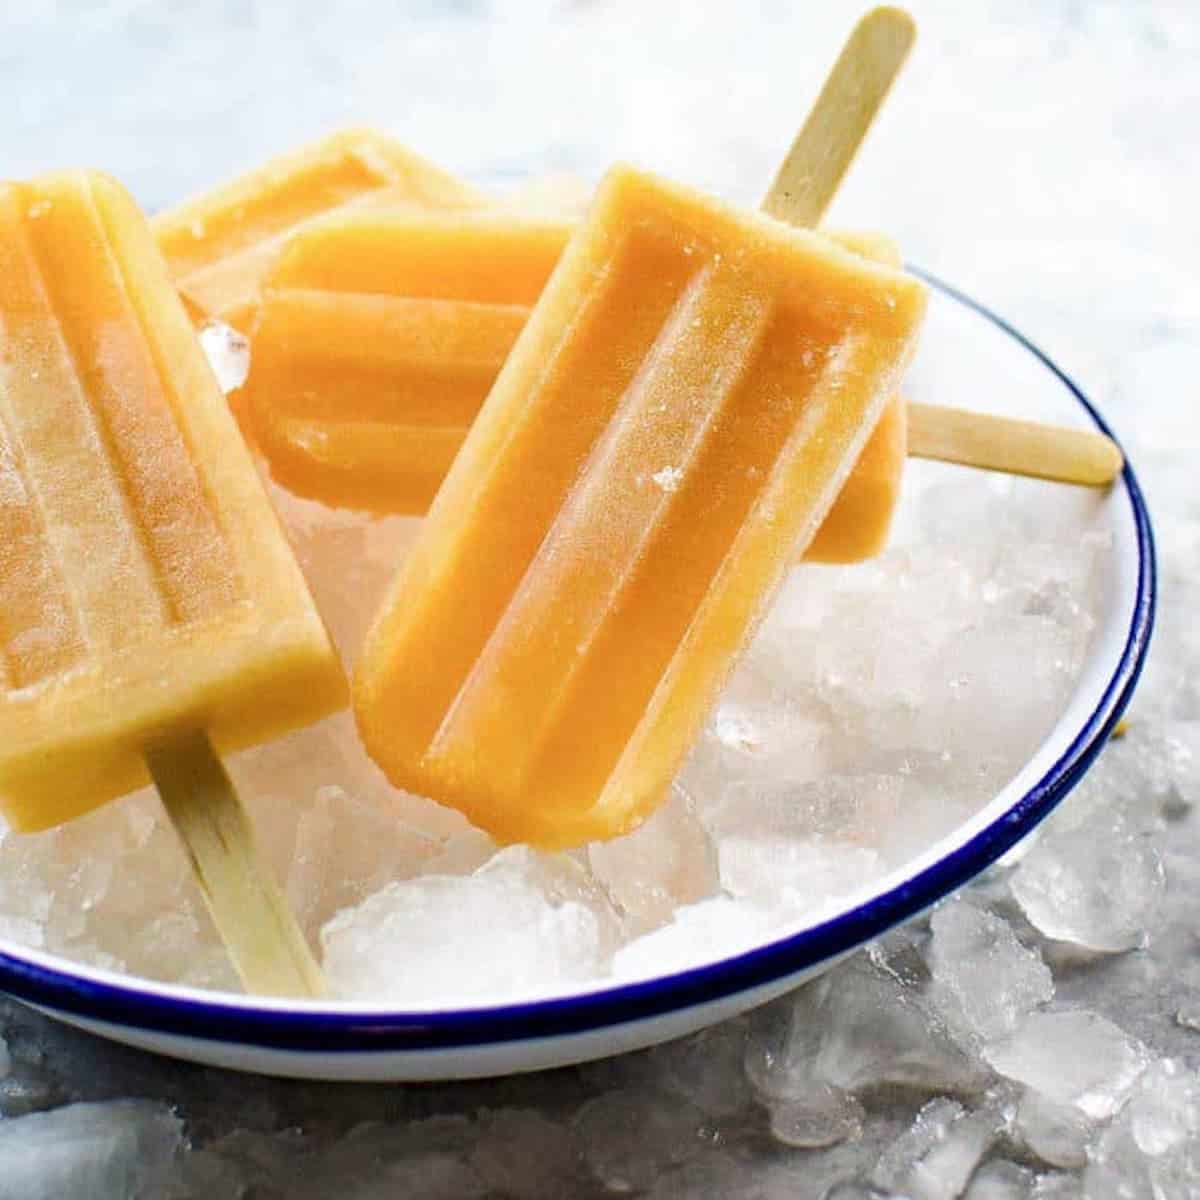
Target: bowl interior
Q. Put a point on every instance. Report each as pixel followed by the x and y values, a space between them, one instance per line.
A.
pixel 969 359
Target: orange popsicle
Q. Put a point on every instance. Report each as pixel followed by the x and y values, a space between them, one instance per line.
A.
pixel 380 334
pixel 674 422
pixel 217 245
pixel 148 598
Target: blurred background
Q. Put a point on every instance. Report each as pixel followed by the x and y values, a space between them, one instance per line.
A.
pixel 1041 152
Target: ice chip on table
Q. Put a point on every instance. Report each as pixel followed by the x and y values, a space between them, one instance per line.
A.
pixel 118 1148
pixel 228 353
pixel 218 245
pixel 5 1059
pixel 1072 1057
pixel 935 1158
pixel 1099 886
pixel 520 924
pixel 380 334
pixel 984 980
pixel 999 1179
pixel 1164 1112
pixel 556 637
pixel 1152 1147
pixel 803 1111
pixel 863 1026
pixel 382 330
pixel 817 1115
pixel 1057 1133
pixel 145 585
pixel 705 1068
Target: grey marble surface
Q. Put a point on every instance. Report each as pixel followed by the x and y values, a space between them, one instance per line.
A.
pixel 1042 154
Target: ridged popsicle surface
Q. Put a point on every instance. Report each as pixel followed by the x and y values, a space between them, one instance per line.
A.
pixel 379 337
pixel 672 426
pixel 220 244
pixel 144 582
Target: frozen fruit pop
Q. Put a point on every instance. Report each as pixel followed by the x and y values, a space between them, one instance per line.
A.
pixel 218 244
pixel 148 598
pixel 673 423
pixel 381 332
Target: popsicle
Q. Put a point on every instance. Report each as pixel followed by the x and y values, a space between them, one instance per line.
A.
pixel 217 245
pixel 379 335
pixel 150 607
pixel 381 332
pixel 673 423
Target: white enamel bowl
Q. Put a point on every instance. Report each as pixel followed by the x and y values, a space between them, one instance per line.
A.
pixel 359 1041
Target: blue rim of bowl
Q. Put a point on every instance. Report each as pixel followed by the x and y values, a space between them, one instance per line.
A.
pixel 300 1030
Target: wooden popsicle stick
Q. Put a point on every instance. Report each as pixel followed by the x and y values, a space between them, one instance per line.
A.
pixel 260 933
pixel 1014 446
pixel 804 187
pixel 813 169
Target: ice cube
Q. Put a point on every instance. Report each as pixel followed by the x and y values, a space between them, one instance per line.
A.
pixel 984 980
pixel 1056 1133
pixel 705 1069
pixel 629 1137
pixel 668 862
pixel 796 876
pixel 840 807
pixel 346 849
pixel 813 1114
pixel 697 933
pixel 119 1148
pixel 1152 1148
pixel 1098 887
pixel 228 354
pixel 348 560
pixel 5 1059
pixel 803 1109
pixel 1164 1113
pixel 1073 1057
pixel 872 1029
pixel 520 924
pixel 1153 771
pixel 763 734
pixel 1000 1179
pixel 934 1159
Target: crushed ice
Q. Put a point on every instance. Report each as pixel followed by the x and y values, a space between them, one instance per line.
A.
pixel 873 714
pixel 1133 338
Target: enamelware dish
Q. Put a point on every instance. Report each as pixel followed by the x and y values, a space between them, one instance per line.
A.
pixel 340 1041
